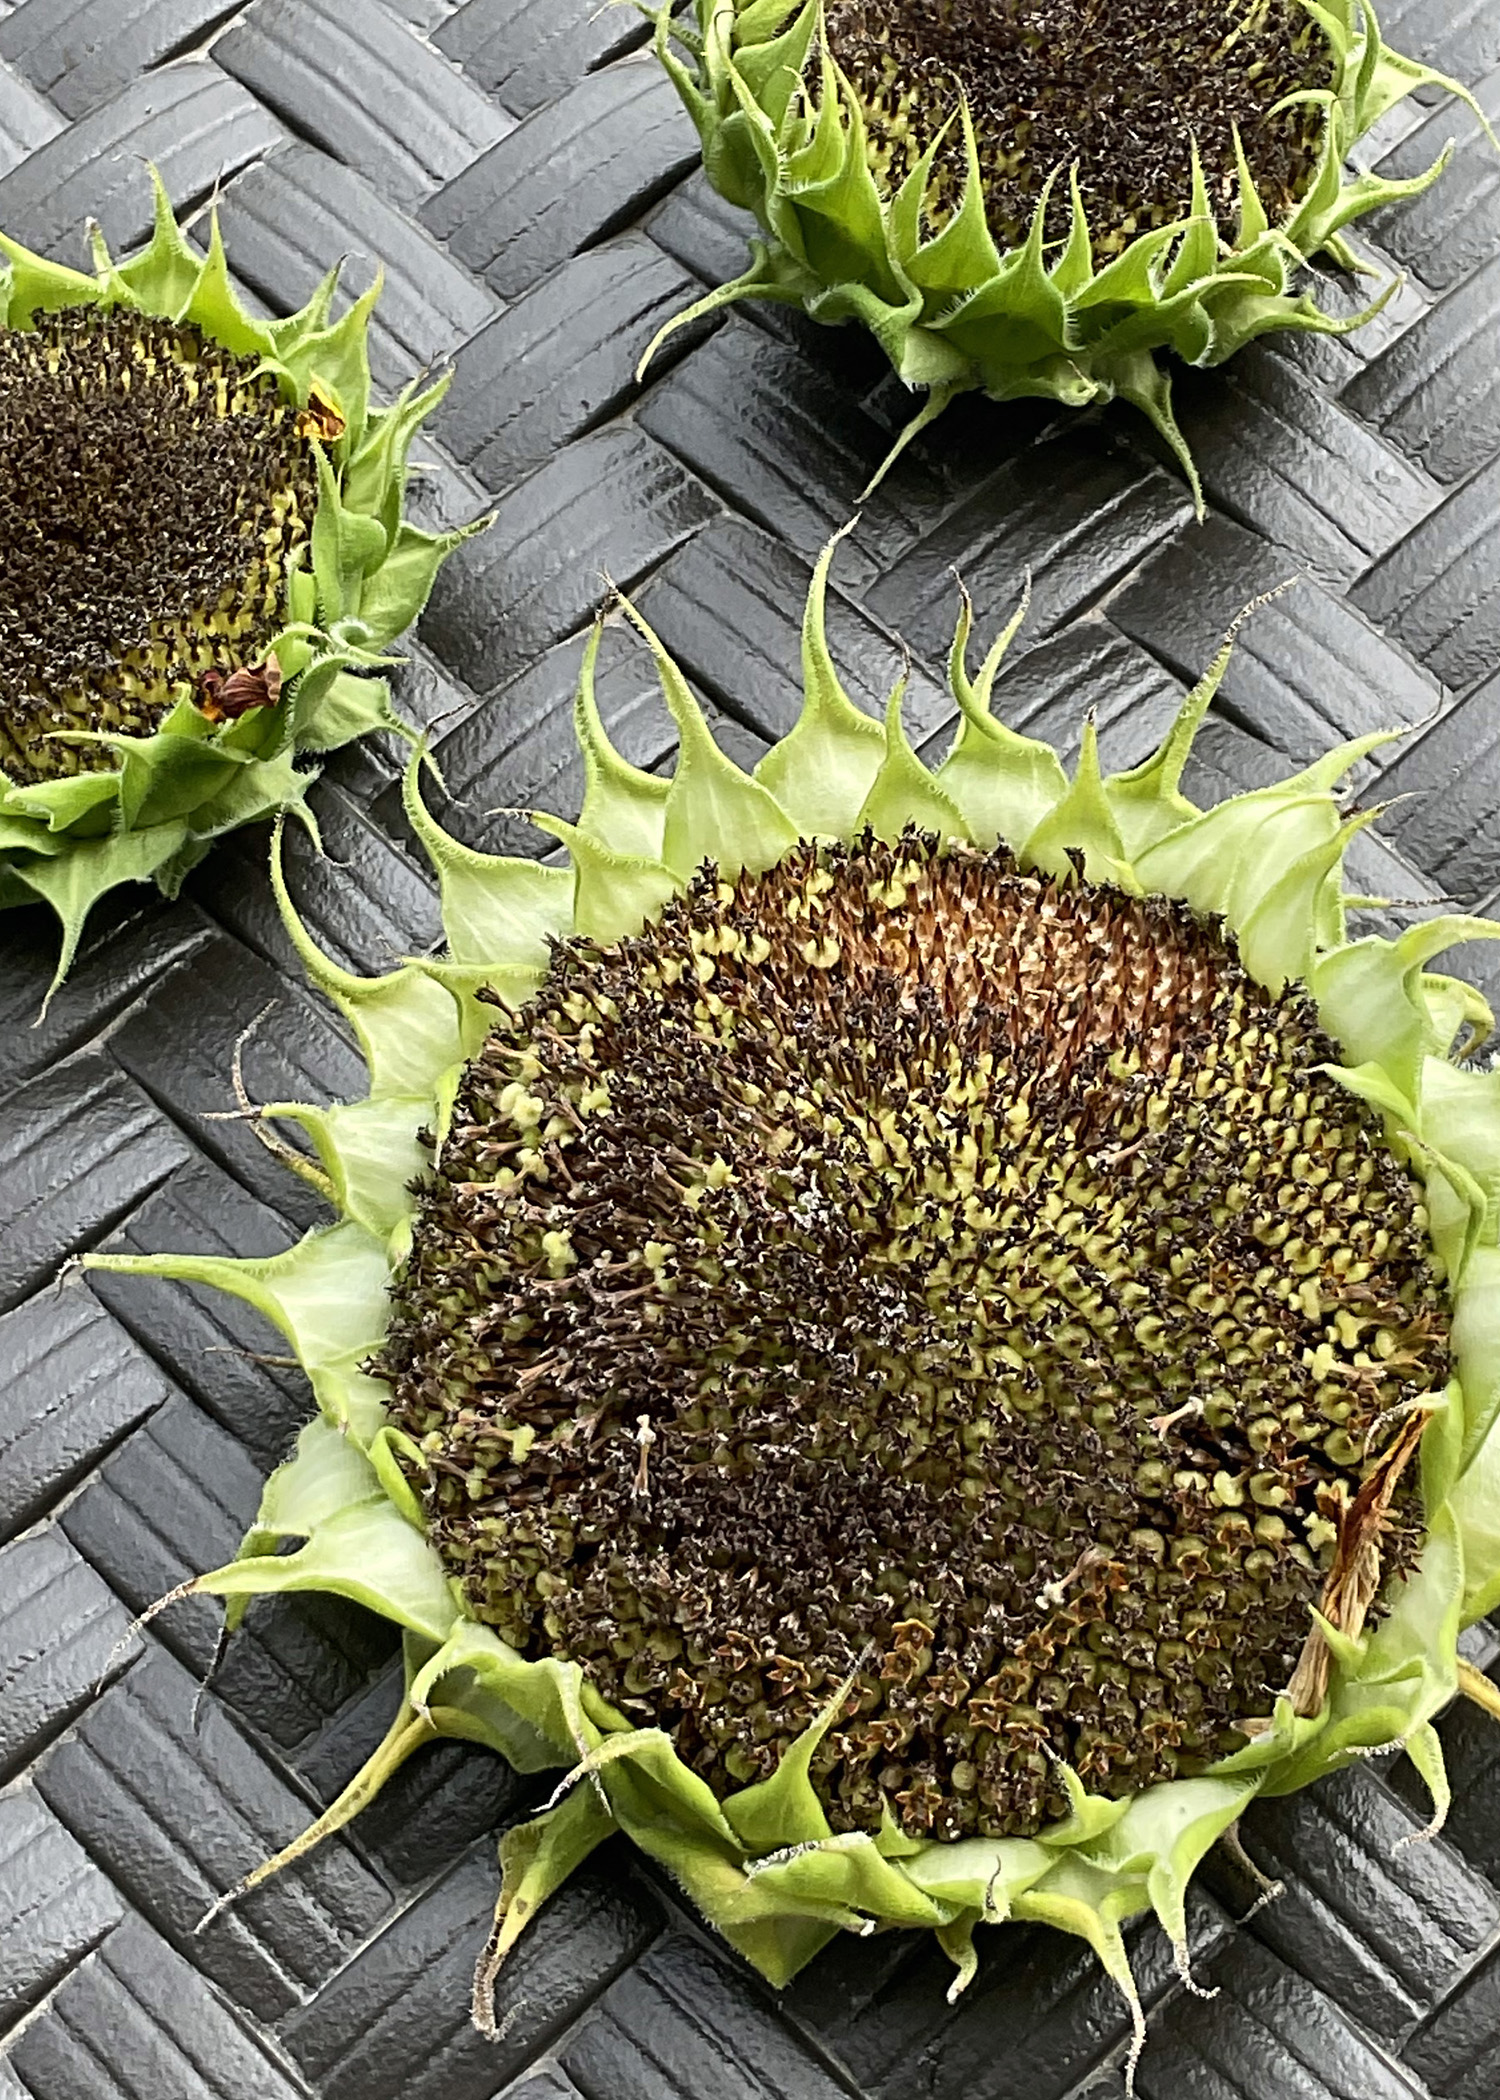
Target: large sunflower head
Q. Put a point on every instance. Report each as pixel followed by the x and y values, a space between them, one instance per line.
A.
pixel 201 547
pixel 928 1333
pixel 1037 199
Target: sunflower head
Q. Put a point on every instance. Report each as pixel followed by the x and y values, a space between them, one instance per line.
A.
pixel 161 490
pixel 906 1269
pixel 1037 200
pixel 201 548
pixel 929 1333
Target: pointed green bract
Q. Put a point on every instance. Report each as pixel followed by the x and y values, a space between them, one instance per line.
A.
pixel 158 801
pixel 823 771
pixel 784 135
pixel 763 1863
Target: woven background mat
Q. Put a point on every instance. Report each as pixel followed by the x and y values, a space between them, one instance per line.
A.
pixel 528 178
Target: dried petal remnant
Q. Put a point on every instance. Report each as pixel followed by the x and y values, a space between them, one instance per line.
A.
pixel 1006 1295
pixel 1121 89
pixel 225 699
pixel 154 494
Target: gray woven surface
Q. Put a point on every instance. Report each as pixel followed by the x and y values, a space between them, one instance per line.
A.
pixel 528 179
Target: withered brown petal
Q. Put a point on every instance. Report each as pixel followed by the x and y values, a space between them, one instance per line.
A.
pixel 226 698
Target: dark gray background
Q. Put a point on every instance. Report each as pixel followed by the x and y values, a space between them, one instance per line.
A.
pixel 528 178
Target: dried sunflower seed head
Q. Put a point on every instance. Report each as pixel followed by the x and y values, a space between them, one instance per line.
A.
pixel 1012 1299
pixel 928 1333
pixel 1037 197
pixel 202 558
pixel 1124 93
pixel 156 494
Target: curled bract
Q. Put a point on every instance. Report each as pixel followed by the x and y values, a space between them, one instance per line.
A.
pixel 203 559
pixel 877 199
pixel 763 1860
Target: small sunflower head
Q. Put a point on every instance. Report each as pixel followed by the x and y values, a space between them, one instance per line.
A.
pixel 927 1332
pixel 1126 95
pixel 202 549
pixel 1039 199
pixel 161 491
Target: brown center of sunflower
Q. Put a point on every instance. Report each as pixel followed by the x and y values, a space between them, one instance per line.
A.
pixel 896 1266
pixel 154 493
pixel 1120 89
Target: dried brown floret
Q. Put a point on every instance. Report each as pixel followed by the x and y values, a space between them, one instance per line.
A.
pixel 899 1266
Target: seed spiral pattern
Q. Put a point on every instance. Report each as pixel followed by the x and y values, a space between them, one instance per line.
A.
pixel 903 1268
pixel 155 492
pixel 1119 88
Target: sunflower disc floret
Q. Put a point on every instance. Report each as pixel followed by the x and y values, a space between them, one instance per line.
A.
pixel 1126 93
pixel 1038 200
pixel 928 1334
pixel 202 558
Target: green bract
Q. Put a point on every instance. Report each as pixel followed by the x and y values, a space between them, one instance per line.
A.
pixel 761 1860
pixel 117 761
pixel 1073 310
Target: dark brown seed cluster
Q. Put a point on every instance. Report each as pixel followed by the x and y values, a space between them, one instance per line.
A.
pixel 1119 88
pixel 896 1265
pixel 154 492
